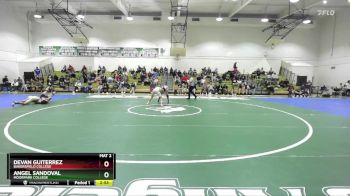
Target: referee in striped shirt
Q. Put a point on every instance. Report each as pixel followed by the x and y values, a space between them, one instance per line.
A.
pixel 191 88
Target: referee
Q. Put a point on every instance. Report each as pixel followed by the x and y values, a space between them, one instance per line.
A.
pixel 191 88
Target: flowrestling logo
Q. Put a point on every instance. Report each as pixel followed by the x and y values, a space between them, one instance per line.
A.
pixel 166 109
pixel 162 187
pixel 171 110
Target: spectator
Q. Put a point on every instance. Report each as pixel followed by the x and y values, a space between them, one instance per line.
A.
pixel 100 85
pixel 50 80
pixel 55 78
pixel 205 89
pixel 347 88
pixel 252 89
pixel 290 90
pixel 61 82
pixel 99 70
pixel 88 88
pixel 20 83
pixel 64 69
pixel 184 79
pixel 77 86
pixel 132 88
pixel 6 84
pixel 84 73
pixel 37 72
pixel 71 71
pixel 14 85
pixel 25 86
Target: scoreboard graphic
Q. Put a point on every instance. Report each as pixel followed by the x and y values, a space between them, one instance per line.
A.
pixel 80 169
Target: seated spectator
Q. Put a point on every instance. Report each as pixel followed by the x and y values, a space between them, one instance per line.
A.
pixel 252 89
pixel 184 79
pixel 139 69
pixel 304 90
pixel 67 81
pixel 14 85
pixel 347 88
pixel 20 83
pixel 297 93
pixel 64 69
pixel 39 84
pixel 240 87
pixel 124 69
pixel 50 80
pixel 110 80
pixel 274 76
pixel 71 70
pixel 84 69
pixel 25 86
pixel 146 82
pixel 92 76
pixel 6 84
pixel 257 72
pixel 270 88
pixel 284 84
pixel 61 82
pixel 325 91
pixel 77 86
pixel 99 70
pixel 290 91
pixel 211 89
pixel 55 78
pixel 270 72
pixel 88 88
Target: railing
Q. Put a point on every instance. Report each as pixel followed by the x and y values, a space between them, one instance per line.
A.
pixel 288 75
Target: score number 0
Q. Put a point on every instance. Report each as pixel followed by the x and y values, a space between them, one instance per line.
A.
pixel 106 164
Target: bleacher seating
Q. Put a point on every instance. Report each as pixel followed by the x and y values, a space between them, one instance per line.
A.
pixel 232 81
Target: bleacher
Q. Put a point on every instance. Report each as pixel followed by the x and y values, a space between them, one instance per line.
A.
pixel 261 83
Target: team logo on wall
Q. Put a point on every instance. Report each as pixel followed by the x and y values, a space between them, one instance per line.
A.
pixel 171 110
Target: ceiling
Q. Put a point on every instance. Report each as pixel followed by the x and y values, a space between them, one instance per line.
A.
pixel 197 8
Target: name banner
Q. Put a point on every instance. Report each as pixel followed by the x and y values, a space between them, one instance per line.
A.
pixel 83 51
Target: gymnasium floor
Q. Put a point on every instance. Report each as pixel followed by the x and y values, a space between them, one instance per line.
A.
pixel 228 142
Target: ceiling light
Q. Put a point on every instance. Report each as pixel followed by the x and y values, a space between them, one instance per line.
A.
pixel 171 17
pixel 307 21
pixel 324 1
pixel 294 1
pixel 219 19
pixel 80 16
pixel 37 13
pixel 129 18
pixel 38 16
pixel 264 20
